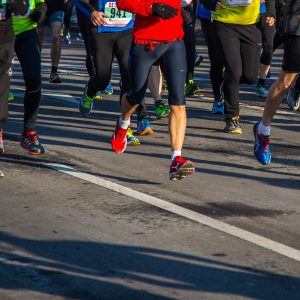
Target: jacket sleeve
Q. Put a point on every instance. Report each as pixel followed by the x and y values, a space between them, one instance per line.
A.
pixel 86 8
pixel 271 10
pixel 138 7
pixel 209 4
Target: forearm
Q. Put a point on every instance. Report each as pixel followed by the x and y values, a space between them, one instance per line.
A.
pixel 142 7
pixel 84 7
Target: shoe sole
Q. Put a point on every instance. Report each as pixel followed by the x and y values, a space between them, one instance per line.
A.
pixel 185 170
pixel 217 112
pixel 55 81
pixel 234 132
pixel 31 152
pixel 148 131
pixel 133 143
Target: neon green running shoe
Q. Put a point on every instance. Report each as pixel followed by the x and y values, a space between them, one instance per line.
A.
pixel 191 88
pixel 162 109
pixel 131 139
pixel 11 96
pixel 85 104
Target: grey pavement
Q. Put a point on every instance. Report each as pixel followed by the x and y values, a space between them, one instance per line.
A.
pixel 65 238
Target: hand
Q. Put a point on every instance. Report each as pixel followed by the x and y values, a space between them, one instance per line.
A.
pixel 270 21
pixel 18 7
pixel 97 18
pixel 219 5
pixel 164 11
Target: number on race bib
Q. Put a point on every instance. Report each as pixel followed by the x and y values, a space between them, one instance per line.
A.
pixel 116 17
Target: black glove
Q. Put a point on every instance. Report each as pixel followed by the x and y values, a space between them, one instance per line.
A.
pixel 18 7
pixel 37 12
pixel 186 16
pixel 164 11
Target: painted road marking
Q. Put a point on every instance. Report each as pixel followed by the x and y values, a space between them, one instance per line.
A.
pixel 178 210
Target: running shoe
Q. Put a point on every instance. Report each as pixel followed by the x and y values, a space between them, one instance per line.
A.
pixel 218 107
pixel 30 141
pixel 98 96
pixel 293 99
pixel 67 38
pixel 79 37
pixel 85 104
pixel 2 151
pixel 144 127
pixel 191 88
pixel 199 59
pixel 261 91
pixel 11 96
pixel 181 168
pixel 262 149
pixel 119 140
pixel 109 90
pixel 162 110
pixel 233 125
pixel 1 174
pixel 54 78
pixel 131 139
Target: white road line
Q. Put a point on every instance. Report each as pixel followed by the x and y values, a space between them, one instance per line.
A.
pixel 189 214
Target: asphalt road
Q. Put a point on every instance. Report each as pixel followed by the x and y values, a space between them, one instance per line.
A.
pixel 96 234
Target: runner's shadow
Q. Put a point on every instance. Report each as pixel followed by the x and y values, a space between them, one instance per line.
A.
pixel 97 270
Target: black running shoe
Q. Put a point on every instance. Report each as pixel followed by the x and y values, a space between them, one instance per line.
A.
pixel 30 141
pixel 233 125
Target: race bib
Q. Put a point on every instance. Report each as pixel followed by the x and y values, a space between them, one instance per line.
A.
pixel 236 3
pixel 115 17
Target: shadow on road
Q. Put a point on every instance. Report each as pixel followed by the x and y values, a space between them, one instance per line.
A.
pixel 97 270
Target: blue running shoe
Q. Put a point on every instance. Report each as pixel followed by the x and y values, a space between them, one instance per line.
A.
pixel 262 149
pixel 218 107
pixel 144 127
pixel 85 104
pixel 109 90
pixel 67 38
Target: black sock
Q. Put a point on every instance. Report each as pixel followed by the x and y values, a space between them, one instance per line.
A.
pixel 53 69
pixel 261 82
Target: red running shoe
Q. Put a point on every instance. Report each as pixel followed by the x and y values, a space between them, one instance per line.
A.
pixel 181 168
pixel 30 141
pixel 119 141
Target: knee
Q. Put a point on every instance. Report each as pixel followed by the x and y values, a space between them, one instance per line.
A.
pixel 249 77
pixel 56 38
pixel 33 85
pixel 233 76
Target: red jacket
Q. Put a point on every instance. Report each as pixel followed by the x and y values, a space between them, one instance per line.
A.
pixel 148 27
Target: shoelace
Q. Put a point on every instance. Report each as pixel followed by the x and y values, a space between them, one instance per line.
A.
pixel 266 142
pixel 33 139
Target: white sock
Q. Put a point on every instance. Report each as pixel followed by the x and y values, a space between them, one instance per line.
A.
pixel 264 130
pixel 175 153
pixel 124 124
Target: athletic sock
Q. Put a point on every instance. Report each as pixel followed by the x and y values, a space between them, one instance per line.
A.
pixel 261 82
pixel 175 153
pixel 53 69
pixel 264 130
pixel 124 124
